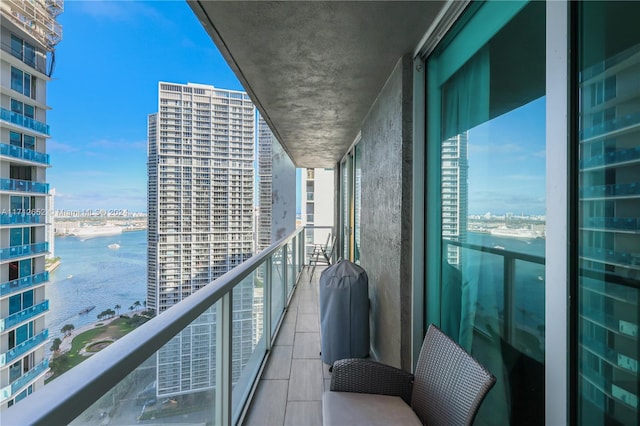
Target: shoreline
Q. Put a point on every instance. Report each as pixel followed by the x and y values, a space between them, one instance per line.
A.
pixel 67 341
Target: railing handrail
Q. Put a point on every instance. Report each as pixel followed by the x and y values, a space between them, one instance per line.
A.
pixel 64 399
pixel 540 260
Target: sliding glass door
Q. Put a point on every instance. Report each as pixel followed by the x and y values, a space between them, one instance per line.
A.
pixel 485 197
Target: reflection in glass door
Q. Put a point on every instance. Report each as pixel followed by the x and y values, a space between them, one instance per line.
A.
pixel 608 347
pixel 487 115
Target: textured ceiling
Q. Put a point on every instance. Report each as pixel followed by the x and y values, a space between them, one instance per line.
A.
pixel 315 68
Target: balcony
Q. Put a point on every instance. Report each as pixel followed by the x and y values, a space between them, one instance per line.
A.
pixel 23 186
pixel 24 154
pixel 23 283
pixel 23 348
pixel 23 315
pixel 31 375
pixel 237 317
pixel 24 250
pixel 21 219
pixel 21 120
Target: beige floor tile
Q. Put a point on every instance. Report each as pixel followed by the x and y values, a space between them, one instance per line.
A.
pixel 306 345
pixel 279 364
pixel 269 404
pixel 306 382
pixel 303 413
pixel 307 322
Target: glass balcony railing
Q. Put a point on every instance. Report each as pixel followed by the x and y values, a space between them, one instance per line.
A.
pixel 23 348
pixel 21 219
pixel 23 186
pixel 228 327
pixel 24 250
pixel 23 315
pixel 23 283
pixel 24 154
pixel 21 120
pixel 24 380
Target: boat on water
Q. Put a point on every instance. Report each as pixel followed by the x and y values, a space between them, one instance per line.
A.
pixel 87 310
pixel 114 246
pixel 69 276
pixel 91 231
pixel 503 231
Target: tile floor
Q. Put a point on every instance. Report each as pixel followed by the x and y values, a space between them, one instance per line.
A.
pixel 291 386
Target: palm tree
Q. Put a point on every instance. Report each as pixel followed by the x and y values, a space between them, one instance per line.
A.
pixel 137 304
pixel 117 308
pixel 67 329
pixel 55 345
pixel 131 308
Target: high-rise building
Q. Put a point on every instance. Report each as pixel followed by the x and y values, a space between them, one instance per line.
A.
pixel 201 182
pixel 30 33
pixel 454 194
pixel 317 204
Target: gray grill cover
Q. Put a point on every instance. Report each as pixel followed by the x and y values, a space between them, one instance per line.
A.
pixel 344 312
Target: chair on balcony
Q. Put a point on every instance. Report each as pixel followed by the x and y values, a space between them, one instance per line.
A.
pixel 322 254
pixel 447 388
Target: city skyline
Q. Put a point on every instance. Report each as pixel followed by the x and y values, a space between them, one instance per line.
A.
pixel 98 146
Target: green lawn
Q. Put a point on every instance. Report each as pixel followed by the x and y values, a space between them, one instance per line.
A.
pixel 112 331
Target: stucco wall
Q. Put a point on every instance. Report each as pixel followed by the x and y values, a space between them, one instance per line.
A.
pixel 386 141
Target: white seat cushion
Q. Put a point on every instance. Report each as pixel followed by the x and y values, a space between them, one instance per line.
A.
pixel 352 409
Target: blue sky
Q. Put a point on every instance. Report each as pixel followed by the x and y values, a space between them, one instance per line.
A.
pixel 108 64
pixel 507 162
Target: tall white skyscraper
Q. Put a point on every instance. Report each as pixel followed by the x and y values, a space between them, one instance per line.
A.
pixel 455 194
pixel 201 183
pixel 29 34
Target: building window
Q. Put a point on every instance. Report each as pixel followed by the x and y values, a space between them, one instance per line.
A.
pixel 608 228
pixel 485 198
pixel 23 51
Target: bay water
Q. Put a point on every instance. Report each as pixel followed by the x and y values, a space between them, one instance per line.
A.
pixel 92 274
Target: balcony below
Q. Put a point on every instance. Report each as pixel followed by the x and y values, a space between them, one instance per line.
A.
pixel 16 185
pixel 23 250
pixel 24 154
pixel 24 315
pixel 24 121
pixel 23 283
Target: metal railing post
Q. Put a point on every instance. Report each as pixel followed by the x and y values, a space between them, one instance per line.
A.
pixel 285 272
pixel 509 299
pixel 268 291
pixel 223 360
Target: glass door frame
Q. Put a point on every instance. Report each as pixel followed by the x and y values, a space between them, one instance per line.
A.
pixel 560 339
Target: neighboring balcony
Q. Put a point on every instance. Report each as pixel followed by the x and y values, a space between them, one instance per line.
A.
pixel 24 250
pixel 24 121
pixel 21 219
pixel 24 315
pixel 24 380
pixel 23 283
pixel 23 186
pixel 24 154
pixel 23 348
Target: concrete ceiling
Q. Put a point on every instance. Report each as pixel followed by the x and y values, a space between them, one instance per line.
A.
pixel 314 69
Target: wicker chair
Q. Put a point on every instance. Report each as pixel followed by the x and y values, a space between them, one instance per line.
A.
pixel 447 388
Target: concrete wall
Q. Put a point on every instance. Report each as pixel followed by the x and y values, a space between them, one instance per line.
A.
pixel 386 216
pixel 283 213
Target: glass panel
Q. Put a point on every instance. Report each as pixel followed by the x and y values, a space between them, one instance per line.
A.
pixel 29 111
pixel 16 106
pixel 277 289
pixel 27 299
pixel 608 346
pixel 15 138
pixel 491 145
pixel 15 304
pixel 17 80
pixel 357 196
pixel 15 237
pixel 15 371
pixel 29 55
pixel 29 142
pixel 249 346
pixel 27 85
pixel 16 47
